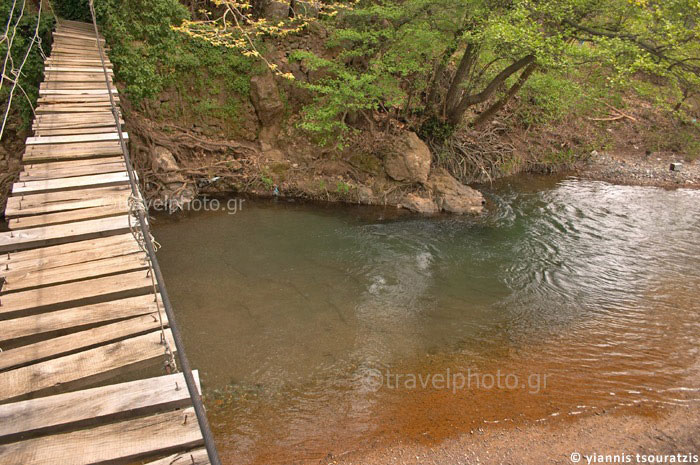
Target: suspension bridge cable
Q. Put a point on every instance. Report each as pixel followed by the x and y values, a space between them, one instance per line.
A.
pixel 9 20
pixel 18 73
pixel 148 242
pixel 10 42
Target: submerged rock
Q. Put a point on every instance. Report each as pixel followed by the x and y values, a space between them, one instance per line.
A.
pixel 410 161
pixel 453 196
pixel 419 204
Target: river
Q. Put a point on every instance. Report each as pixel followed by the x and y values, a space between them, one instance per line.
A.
pixel 328 329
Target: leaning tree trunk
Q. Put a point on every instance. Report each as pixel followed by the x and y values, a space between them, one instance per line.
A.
pixel 491 111
pixel 455 115
pixel 463 69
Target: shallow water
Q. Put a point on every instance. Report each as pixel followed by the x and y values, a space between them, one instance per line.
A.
pixel 308 323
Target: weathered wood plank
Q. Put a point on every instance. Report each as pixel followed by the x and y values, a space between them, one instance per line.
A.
pixel 48 202
pixel 193 457
pixel 109 136
pixel 69 131
pixel 33 187
pixel 117 201
pixel 121 442
pixel 83 368
pixel 74 69
pixel 62 345
pixel 117 401
pixel 69 85
pixel 75 293
pixel 39 172
pixel 18 279
pixel 75 91
pixel 76 317
pixel 71 151
pixel 45 254
pixel 89 213
pixel 49 235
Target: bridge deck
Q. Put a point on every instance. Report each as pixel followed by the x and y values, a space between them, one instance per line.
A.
pixel 80 328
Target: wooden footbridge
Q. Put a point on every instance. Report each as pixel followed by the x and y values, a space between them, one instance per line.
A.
pixel 83 333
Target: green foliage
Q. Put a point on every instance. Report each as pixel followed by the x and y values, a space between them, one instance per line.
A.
pixel 392 55
pixel 150 59
pixel 32 72
pixel 342 188
pixel 76 10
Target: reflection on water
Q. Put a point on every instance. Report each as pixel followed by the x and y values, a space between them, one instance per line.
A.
pixel 288 310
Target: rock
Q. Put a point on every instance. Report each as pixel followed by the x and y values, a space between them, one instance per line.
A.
pixel 276 11
pixel 365 195
pixel 419 204
pixel 306 9
pixel 162 160
pixel 268 105
pixel 411 160
pixel 452 196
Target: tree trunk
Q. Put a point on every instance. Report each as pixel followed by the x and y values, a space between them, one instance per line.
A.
pixel 455 116
pixel 468 59
pixel 491 111
pixel 433 94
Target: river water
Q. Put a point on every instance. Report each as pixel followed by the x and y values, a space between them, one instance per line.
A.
pixel 323 330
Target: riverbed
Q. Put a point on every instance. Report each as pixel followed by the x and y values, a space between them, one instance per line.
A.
pixel 327 330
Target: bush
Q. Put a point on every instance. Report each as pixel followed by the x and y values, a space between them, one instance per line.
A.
pixel 33 69
pixel 76 10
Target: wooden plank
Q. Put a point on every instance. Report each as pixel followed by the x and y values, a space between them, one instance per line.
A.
pixel 77 317
pixel 63 345
pixel 75 139
pixel 48 258
pixel 104 404
pixel 33 187
pixel 48 172
pixel 48 202
pixel 74 69
pixel 19 279
pixel 75 120
pixel 83 368
pixel 101 211
pixel 72 131
pixel 68 85
pixel 193 457
pixel 58 108
pixel 76 98
pixel 121 442
pixel 49 235
pixel 73 35
pixel 75 91
pixel 71 151
pixel 60 165
pixel 74 293
pixel 121 200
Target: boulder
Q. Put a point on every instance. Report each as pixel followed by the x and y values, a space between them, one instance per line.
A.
pixel 410 161
pixel 308 9
pixel 176 193
pixel 452 196
pixel 419 204
pixel 163 161
pixel 268 106
pixel 365 195
pixel 276 11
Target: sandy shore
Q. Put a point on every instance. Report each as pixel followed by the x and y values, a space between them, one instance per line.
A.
pixel 669 431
